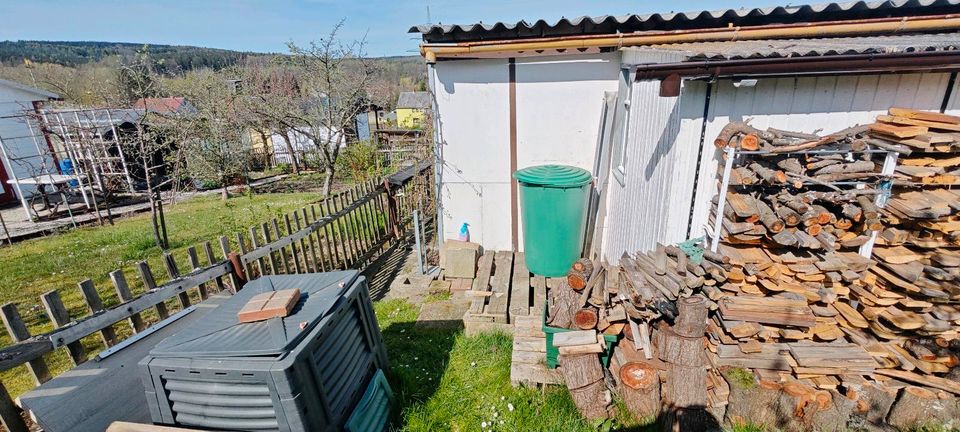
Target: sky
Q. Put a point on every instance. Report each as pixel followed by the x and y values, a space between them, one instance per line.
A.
pixel 267 26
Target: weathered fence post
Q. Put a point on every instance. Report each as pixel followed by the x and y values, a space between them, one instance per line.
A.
pixel 9 413
pixel 123 291
pixel 149 284
pixel 195 264
pixel 18 331
pixel 170 264
pixel 92 298
pixel 211 260
pixel 60 317
pixel 392 210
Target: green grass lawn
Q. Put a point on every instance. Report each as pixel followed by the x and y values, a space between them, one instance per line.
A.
pixel 32 267
pixel 444 380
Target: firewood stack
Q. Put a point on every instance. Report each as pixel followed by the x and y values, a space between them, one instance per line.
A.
pixel 788 189
pixel 803 310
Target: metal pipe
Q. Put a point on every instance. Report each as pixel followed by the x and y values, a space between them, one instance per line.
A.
pixel 799 65
pixel 948 22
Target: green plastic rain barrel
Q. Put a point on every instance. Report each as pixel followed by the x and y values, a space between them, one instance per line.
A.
pixel 553 205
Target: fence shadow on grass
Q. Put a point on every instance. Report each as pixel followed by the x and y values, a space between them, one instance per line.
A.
pixel 418 358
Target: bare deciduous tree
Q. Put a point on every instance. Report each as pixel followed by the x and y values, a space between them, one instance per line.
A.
pixel 334 78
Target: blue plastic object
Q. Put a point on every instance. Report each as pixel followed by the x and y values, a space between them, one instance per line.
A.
pixel 66 167
pixel 373 411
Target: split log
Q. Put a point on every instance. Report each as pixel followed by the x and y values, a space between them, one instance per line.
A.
pixel 915 406
pixel 564 302
pixel 578 278
pixel 739 128
pixel 870 210
pixel 860 166
pixel 586 318
pixel 583 265
pixel 791 165
pixel 593 400
pixel 770 176
pixel 584 378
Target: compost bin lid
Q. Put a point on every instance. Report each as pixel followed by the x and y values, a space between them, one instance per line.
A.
pixel 220 334
pixel 554 175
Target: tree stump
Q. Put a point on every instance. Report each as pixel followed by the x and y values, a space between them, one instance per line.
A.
pixel 638 383
pixel 685 391
pixel 916 406
pixel 692 320
pixel 583 375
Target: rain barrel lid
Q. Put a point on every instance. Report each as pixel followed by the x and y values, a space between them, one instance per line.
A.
pixel 554 175
pixel 220 334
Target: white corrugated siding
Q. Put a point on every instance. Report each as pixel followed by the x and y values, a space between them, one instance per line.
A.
pixel 654 203
pixel 661 154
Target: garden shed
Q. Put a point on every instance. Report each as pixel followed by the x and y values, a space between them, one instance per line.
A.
pixel 637 100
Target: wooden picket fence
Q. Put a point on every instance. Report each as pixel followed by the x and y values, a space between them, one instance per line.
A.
pixel 346 230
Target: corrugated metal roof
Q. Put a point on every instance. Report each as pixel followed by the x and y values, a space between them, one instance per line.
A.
pixel 779 48
pixel 419 100
pixel 608 24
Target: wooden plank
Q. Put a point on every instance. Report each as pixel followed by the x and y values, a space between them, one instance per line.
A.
pixel 195 264
pixel 97 322
pixel 170 265
pixel 482 282
pixel 149 284
pixel 919 123
pixel 95 305
pixel 293 248
pixel 539 295
pixel 9 413
pixel 66 403
pixel 60 317
pixel 923 115
pixel 284 258
pixel 18 331
pixel 257 253
pixel 309 255
pixel 768 310
pixel 520 289
pixel 123 292
pixel 924 380
pixel 500 285
pixel 211 259
pixel 909 131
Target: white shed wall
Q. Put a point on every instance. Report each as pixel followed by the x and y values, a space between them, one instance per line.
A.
pixel 654 202
pixel 559 102
pixel 17 136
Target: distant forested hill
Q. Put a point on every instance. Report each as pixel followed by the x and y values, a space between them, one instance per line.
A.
pixel 78 53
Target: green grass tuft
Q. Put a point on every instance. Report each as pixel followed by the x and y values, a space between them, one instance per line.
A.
pixel 740 377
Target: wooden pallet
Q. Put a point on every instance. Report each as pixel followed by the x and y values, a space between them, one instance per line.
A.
pixel 503 290
pixel 528 365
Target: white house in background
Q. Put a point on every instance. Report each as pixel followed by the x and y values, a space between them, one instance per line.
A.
pixel 301 143
pixel 20 139
pixel 659 87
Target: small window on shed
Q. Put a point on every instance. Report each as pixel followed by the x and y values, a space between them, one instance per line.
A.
pixel 621 139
